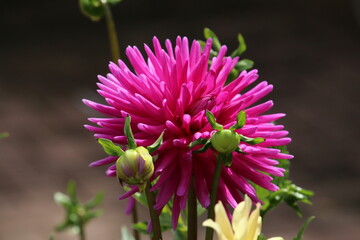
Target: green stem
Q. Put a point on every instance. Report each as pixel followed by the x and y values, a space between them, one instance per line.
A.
pixel 153 214
pixel 192 213
pixel 135 220
pixel 81 230
pixel 114 43
pixel 213 194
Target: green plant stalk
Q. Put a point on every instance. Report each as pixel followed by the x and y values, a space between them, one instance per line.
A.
pixel 135 219
pixel 81 229
pixel 214 187
pixel 192 213
pixel 113 39
pixel 153 214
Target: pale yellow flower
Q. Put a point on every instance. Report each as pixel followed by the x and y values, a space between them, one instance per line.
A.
pixel 244 226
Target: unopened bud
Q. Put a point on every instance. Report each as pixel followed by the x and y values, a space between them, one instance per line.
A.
pixel 225 141
pixel 135 166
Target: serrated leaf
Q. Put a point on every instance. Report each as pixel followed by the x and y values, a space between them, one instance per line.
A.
pixel 215 40
pixel 240 121
pixel 128 133
pixel 153 147
pixel 211 118
pixel 303 228
pixel 244 64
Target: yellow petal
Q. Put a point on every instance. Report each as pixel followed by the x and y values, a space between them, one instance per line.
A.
pixel 210 223
pixel 254 224
pixel 276 238
pixel 240 218
pixel 222 219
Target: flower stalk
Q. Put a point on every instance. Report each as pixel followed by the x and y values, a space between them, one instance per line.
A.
pixel 156 228
pixel 214 188
pixel 192 212
pixel 113 38
pixel 135 219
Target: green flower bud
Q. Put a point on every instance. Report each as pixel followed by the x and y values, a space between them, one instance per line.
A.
pixel 225 141
pixel 135 166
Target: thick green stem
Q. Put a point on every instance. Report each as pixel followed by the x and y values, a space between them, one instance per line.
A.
pixel 213 194
pixel 114 43
pixel 135 219
pixel 192 212
pixel 153 214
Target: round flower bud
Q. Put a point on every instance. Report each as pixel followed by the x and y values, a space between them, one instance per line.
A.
pixel 135 166
pixel 225 141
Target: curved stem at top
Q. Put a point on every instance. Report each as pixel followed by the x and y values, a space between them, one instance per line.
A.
pixel 113 39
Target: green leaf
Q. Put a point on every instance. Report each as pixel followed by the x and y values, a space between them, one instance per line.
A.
pixel 93 9
pixel 126 234
pixel 4 135
pixel 244 64
pixel 240 121
pixel 95 201
pixel 204 148
pixel 212 121
pixel 141 198
pixel 71 191
pixel 128 133
pixel 202 43
pixel 110 148
pixel 63 226
pixel 261 237
pixel 198 141
pixel 62 199
pixel 113 2
pixel 153 147
pixel 227 160
pixel 91 215
pixel 52 236
pixel 242 44
pixel 140 227
pixel 251 141
pixel 210 34
pixel 303 228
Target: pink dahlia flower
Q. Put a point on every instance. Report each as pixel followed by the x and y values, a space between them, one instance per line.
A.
pixel 172 89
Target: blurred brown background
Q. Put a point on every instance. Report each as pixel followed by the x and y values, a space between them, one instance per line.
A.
pixel 49 58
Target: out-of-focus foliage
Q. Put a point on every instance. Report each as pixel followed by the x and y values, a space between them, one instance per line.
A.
pixel 95 9
pixel 289 193
pixel 243 64
pixel 77 214
pixel 4 135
